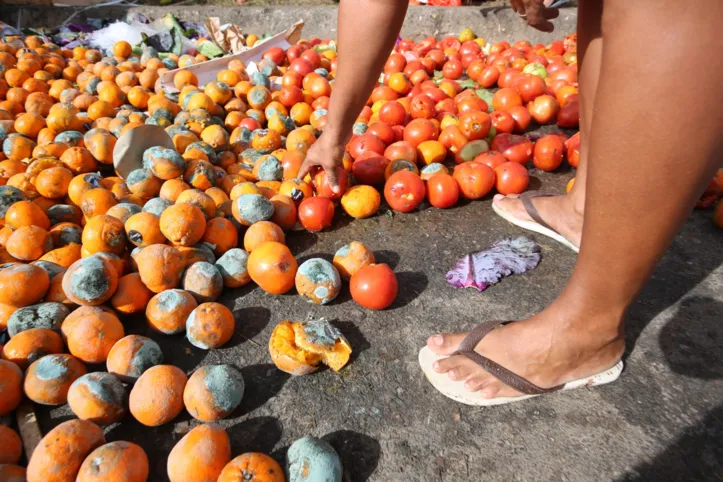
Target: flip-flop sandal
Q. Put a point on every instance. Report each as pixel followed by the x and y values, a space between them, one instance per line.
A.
pixel 538 225
pixel 457 392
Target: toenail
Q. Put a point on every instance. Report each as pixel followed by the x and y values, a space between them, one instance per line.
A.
pixel 486 394
pixel 436 365
pixel 452 374
pixel 438 340
pixel 498 197
pixel 468 385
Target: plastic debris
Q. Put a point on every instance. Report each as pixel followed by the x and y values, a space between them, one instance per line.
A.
pixel 504 257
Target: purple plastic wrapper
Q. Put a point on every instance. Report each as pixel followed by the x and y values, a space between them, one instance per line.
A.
pixel 504 257
pixel 81 27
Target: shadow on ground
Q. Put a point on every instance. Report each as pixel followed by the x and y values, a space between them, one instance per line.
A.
pixel 677 274
pixel 359 454
pixel 695 455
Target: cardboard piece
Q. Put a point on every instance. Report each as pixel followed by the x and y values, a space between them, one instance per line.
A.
pixel 28 426
pixel 229 39
pixel 206 71
pixel 128 151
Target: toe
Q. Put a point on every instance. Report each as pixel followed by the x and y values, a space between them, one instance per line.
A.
pixel 475 383
pixel 450 363
pixel 462 370
pixel 500 199
pixel 445 344
pixel 490 390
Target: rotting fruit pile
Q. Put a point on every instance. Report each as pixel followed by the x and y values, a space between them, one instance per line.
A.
pixel 83 249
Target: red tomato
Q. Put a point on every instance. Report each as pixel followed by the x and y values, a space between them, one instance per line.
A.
pixel 291 162
pixel 422 107
pixel 573 150
pixel 508 78
pixel 452 69
pixel 503 122
pixel 547 155
pixel 294 52
pixel 475 125
pixel 392 113
pixel 401 150
pixel 450 42
pixel 420 130
pixel 442 191
pixel 404 191
pixel 323 188
pixel 471 103
pixel 522 118
pixel 383 131
pixel 369 169
pixel 452 138
pixel 512 178
pixel 374 286
pixel 530 86
pixel 467 59
pixel 491 159
pixel 569 115
pixel 515 148
pixel 301 66
pixel 446 106
pixel 475 179
pixel 438 57
pixel 506 98
pixel 567 74
pixel 313 57
pixel 365 143
pixel 250 123
pixel 434 92
pixel 316 213
pixel 544 109
pixel 395 63
pixel 275 54
pixel 469 47
pixel 489 77
pixel 412 67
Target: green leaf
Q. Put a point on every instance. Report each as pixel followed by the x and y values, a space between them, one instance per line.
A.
pixel 467 84
pixel 486 96
pixel 210 49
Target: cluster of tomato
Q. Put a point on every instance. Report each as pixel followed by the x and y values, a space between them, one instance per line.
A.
pixel 436 117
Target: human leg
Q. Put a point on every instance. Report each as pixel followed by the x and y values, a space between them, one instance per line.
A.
pixel 564 213
pixel 649 159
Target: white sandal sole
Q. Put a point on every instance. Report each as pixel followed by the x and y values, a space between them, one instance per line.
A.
pixel 535 227
pixel 456 391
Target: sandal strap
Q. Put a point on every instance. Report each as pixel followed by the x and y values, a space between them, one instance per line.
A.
pixel 526 198
pixel 511 379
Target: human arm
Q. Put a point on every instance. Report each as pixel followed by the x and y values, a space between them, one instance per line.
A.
pixel 536 13
pixel 367 30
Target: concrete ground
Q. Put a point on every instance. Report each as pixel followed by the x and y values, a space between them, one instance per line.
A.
pixel 662 420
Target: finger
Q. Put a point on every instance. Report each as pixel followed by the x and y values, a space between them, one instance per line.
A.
pixel 305 168
pixel 332 177
pixel 544 26
pixel 536 17
pixel 518 6
pixel 550 13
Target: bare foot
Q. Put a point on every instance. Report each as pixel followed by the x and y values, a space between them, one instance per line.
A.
pixel 544 349
pixel 559 212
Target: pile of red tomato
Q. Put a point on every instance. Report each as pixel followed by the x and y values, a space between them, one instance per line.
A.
pixel 449 118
